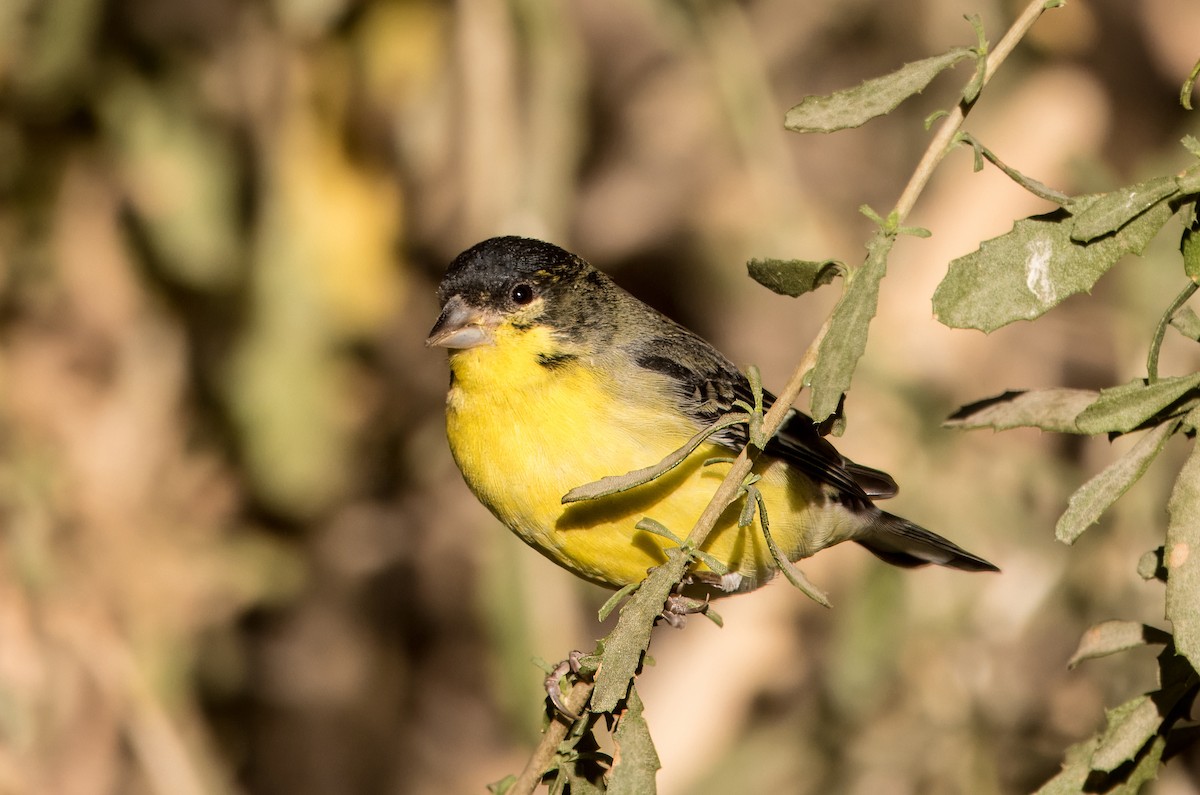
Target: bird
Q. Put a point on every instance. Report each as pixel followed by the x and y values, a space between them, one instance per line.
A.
pixel 559 377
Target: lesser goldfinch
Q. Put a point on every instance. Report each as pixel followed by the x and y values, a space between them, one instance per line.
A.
pixel 559 377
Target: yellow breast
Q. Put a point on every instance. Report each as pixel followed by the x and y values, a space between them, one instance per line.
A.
pixel 525 433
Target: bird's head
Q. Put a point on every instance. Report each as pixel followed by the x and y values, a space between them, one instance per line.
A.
pixel 514 283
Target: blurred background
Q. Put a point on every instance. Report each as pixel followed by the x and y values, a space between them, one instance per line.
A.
pixel 235 555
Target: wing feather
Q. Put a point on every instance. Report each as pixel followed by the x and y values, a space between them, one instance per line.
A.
pixel 706 384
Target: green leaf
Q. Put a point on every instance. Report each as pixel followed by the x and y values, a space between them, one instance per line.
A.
pixel 1094 497
pixel 1110 637
pixel 1145 771
pixel 980 51
pixel 583 776
pixel 1030 184
pixel 1182 558
pixel 1079 778
pixel 502 786
pixel 1188 181
pixel 625 645
pixel 1048 409
pixel 1150 565
pixel 1187 323
pixel 1077 764
pixel 792 572
pixel 1189 247
pixel 856 106
pixel 755 425
pixel 635 761
pixel 611 603
pixel 746 517
pixel 1024 273
pixel 1111 211
pixel 793 277
pixel 1160 331
pixel 614 484
pixel 1121 409
pixel 1189 85
pixel 1129 727
pixel 659 529
pixel 846 340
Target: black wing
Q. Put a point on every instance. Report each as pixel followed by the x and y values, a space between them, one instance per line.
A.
pixel 708 384
pixel 799 442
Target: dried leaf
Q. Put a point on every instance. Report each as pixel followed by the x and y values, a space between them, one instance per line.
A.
pixel 1048 409
pixel 1110 637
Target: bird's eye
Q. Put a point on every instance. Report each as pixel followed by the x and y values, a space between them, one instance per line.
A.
pixel 522 294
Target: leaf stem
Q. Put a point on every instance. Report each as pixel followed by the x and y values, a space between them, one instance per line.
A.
pixel 1030 184
pixel 1161 330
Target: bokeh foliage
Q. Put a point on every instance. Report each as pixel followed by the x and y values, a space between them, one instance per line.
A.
pixel 235 555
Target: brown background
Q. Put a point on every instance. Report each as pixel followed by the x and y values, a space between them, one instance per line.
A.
pixel 235 555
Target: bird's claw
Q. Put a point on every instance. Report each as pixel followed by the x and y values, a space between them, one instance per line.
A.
pixel 554 690
pixel 678 607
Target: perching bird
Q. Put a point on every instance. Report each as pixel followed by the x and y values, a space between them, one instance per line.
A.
pixel 559 378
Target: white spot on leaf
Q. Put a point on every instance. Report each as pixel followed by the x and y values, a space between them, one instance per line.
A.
pixel 1037 270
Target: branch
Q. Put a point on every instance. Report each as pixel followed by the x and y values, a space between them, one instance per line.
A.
pixel 576 701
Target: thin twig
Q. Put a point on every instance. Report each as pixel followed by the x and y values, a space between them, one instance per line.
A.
pixel 576 701
pixel 728 490
pixel 942 140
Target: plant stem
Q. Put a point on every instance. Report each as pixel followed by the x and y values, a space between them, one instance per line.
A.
pixel 939 147
pixel 555 733
pixel 728 490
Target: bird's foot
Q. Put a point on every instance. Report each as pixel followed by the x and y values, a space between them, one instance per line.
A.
pixel 554 690
pixel 678 607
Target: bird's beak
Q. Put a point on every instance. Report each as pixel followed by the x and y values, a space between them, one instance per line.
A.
pixel 462 326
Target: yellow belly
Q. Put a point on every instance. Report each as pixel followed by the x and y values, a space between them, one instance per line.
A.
pixel 525 438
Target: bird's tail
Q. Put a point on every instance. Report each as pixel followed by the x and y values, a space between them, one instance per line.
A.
pixel 902 543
